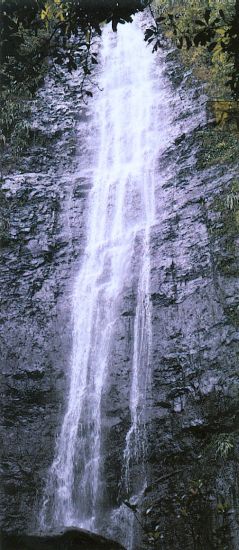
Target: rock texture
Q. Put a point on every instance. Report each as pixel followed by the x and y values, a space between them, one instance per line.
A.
pixel 194 412
pixel 191 500
pixel 42 237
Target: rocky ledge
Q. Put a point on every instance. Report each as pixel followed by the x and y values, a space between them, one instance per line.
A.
pixel 73 539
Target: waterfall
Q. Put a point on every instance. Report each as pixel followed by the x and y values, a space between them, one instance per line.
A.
pixel 125 114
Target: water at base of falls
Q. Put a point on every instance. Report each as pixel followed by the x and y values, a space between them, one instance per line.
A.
pixel 130 114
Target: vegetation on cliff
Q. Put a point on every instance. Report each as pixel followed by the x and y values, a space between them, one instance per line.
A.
pixel 207 34
pixel 36 33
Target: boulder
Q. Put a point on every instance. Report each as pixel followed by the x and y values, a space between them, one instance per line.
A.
pixel 72 539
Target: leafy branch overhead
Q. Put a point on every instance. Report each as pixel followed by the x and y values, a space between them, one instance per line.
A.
pixel 31 30
pixel 37 33
pixel 55 23
pixel 218 33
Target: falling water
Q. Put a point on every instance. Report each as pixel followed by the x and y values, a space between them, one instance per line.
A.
pixel 125 112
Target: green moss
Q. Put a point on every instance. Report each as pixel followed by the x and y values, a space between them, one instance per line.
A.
pixel 224 232
pixel 219 146
pixel 232 313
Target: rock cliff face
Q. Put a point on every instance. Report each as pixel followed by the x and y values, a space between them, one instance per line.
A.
pixel 193 406
pixel 42 239
pixel 194 415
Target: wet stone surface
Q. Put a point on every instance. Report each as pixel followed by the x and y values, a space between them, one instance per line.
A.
pixel 194 402
pixel 44 205
pixel 192 485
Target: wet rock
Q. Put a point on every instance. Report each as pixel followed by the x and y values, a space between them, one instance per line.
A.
pixel 192 406
pixel 44 221
pixel 193 366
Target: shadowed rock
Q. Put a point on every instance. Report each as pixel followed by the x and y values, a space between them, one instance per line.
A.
pixel 73 539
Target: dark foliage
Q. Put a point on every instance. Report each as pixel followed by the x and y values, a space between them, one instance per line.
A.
pixel 205 34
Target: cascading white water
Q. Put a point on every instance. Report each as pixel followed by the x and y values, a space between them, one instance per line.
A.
pixel 121 208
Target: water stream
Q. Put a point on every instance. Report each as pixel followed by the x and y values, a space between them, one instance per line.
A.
pixel 126 112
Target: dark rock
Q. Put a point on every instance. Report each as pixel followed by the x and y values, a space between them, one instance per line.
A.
pixel 72 539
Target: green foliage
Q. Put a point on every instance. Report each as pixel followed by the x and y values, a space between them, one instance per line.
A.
pixel 20 74
pixel 34 32
pixel 210 30
pixel 223 445
pixel 223 506
pixel 232 201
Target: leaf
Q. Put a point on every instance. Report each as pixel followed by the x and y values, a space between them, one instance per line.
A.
pixel 222 14
pixel 199 22
pixel 149 32
pixel 86 70
pixel 43 15
pixel 188 42
pixel 201 38
pixel 161 18
pixel 114 24
pixel 180 43
pixel 207 15
pixel 221 31
pixel 97 29
pixel 88 93
pixel 212 46
pixel 60 15
pixel 156 46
